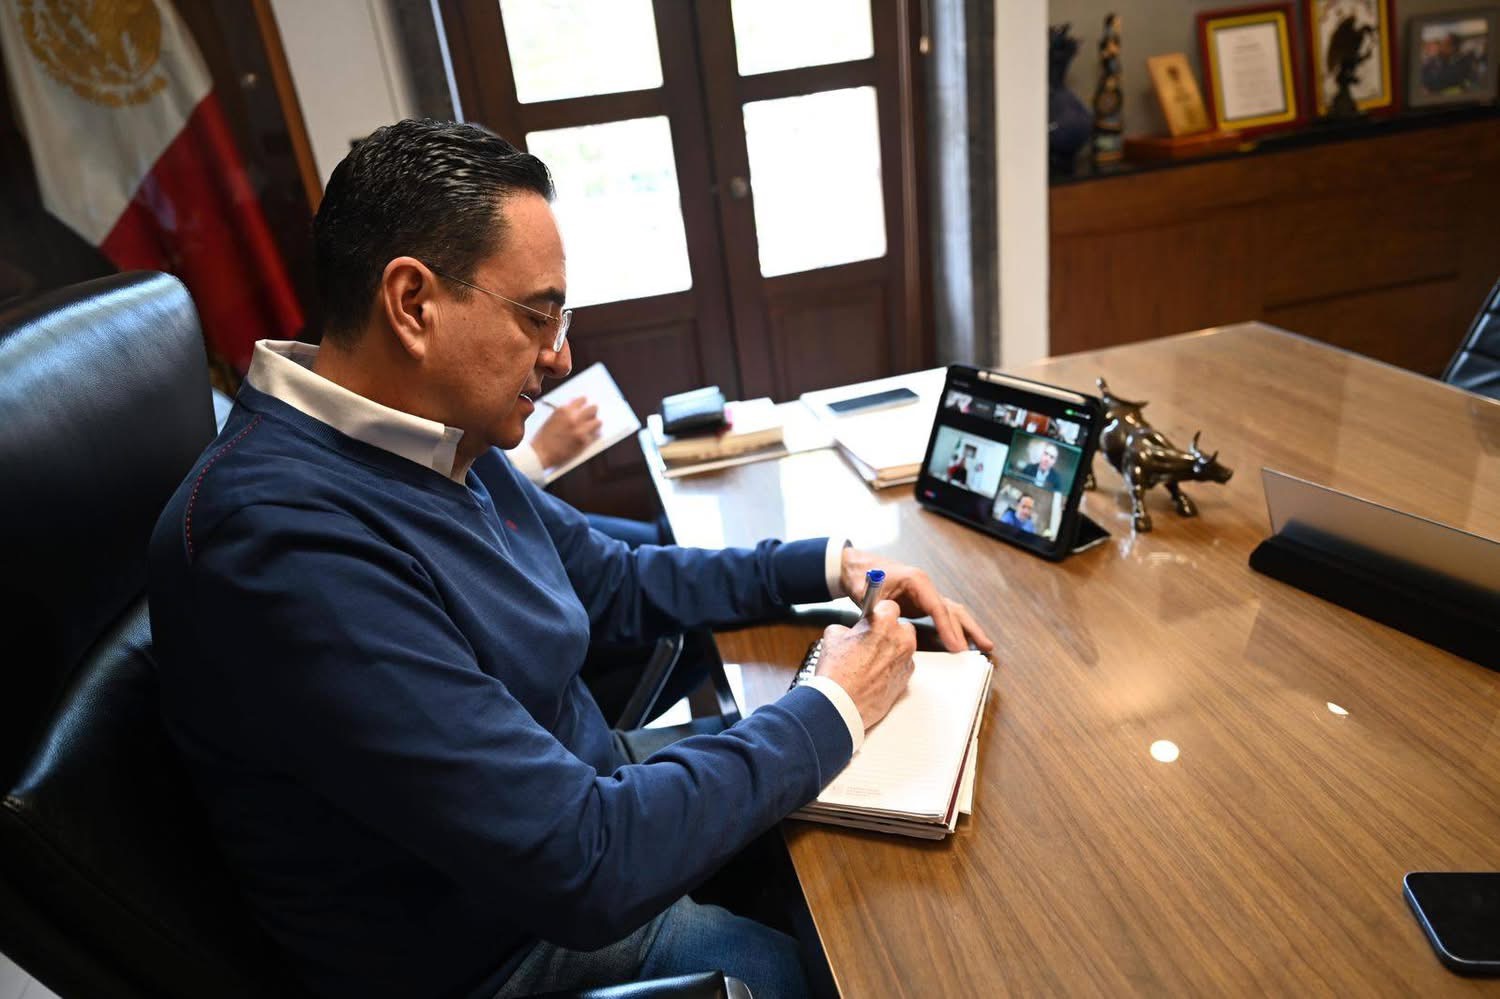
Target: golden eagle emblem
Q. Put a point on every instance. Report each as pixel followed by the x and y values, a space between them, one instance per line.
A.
pixel 105 51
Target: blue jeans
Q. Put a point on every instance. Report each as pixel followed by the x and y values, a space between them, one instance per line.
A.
pixel 685 939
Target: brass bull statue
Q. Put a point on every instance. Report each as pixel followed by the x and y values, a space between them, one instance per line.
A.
pixel 1144 458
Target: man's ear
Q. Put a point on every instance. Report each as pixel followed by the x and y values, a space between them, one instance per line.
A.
pixel 407 292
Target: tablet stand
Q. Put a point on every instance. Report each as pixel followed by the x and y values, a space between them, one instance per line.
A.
pixel 1090 533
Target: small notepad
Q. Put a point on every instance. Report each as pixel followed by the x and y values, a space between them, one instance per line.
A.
pixel 617 420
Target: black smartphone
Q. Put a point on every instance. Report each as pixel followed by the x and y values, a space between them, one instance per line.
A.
pixel 1460 913
pixel 876 400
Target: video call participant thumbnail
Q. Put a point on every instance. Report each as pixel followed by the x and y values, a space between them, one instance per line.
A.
pixel 968 461
pixel 1027 508
pixel 1043 462
pixel 958 472
pixel 959 401
pixel 1022 516
pixel 1043 471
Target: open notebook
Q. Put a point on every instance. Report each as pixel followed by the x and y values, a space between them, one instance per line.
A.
pixel 618 421
pixel 915 772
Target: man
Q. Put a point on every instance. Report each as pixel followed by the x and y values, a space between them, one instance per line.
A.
pixel 1041 473
pixel 1021 516
pixel 958 472
pixel 369 625
pixel 1449 69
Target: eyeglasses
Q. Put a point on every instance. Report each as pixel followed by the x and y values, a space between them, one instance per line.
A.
pixel 563 319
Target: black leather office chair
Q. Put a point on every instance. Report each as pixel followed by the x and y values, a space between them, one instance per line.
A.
pixel 109 882
pixel 1476 366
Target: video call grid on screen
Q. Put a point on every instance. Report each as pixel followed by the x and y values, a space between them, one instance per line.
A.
pixel 1019 464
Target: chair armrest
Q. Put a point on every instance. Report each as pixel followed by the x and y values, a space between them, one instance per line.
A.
pixel 704 985
pixel 653 681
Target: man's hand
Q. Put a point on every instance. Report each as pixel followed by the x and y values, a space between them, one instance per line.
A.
pixel 566 433
pixel 871 661
pixel 917 597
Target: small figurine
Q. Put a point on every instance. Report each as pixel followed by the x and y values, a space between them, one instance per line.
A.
pixel 1068 122
pixel 1109 98
pixel 1346 51
pixel 1144 458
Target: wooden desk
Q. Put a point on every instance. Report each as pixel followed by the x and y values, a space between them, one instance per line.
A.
pixel 1322 755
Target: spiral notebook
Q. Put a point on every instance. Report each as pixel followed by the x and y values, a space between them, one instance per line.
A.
pixel 914 775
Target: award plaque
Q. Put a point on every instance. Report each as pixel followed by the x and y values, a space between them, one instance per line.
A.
pixel 1177 93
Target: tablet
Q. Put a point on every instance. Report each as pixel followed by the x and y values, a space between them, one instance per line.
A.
pixel 1009 457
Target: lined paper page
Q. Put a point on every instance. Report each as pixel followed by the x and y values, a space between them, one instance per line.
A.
pixel 910 762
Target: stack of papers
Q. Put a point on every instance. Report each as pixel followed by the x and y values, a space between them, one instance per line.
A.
pixel 748 426
pixel 800 431
pixel 914 775
pixel 618 421
pixel 885 446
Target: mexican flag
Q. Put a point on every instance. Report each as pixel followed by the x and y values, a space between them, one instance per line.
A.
pixel 132 152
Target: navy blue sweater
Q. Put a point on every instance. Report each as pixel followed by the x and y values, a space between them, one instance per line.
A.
pixel 371 672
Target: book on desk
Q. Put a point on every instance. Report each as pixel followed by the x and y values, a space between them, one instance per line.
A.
pixel 758 430
pixel 885 446
pixel 914 775
pixel 749 425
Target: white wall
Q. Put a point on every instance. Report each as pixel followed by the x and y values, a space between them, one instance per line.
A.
pixel 347 70
pixel 1021 187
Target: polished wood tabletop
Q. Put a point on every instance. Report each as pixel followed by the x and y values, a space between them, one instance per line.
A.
pixel 1318 755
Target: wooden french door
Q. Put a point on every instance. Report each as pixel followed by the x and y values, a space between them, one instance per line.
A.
pixel 737 188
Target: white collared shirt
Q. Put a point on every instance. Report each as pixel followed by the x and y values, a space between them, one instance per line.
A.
pixel 283 370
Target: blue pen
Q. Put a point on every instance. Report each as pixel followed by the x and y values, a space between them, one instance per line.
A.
pixel 874 580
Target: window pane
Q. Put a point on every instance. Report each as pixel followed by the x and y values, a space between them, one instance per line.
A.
pixel 784 34
pixel 574 48
pixel 815 174
pixel 618 208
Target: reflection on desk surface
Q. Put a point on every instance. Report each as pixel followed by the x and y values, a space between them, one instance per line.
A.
pixel 1193 779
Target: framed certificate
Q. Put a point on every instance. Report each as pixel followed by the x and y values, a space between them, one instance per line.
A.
pixel 1361 26
pixel 1248 65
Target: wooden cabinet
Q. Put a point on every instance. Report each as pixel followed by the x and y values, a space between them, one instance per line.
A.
pixel 1383 244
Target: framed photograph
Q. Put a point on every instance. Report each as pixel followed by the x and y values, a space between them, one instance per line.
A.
pixel 1248 66
pixel 1177 92
pixel 1365 27
pixel 1451 58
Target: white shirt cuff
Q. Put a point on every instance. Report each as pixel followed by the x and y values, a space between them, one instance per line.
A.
pixel 833 562
pixel 843 702
pixel 523 456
